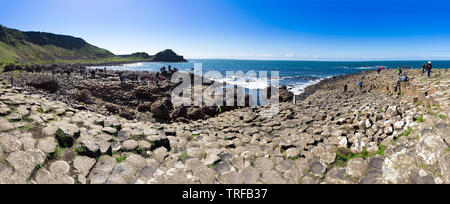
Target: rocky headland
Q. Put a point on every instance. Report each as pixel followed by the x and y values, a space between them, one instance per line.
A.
pixel 61 129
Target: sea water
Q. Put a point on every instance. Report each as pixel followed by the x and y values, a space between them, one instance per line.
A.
pixel 296 75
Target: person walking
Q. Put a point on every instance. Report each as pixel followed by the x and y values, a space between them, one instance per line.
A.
pixel 424 67
pixel 219 109
pixel 429 67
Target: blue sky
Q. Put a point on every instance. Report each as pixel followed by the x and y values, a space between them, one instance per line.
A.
pixel 247 29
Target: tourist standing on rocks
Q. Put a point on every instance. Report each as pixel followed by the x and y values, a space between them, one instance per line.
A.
pixel 429 67
pixel 68 71
pixel 345 88
pixel 399 71
pixel 93 73
pixel 424 67
pixel 360 84
pixel 219 109
pixel 143 79
pixel 121 78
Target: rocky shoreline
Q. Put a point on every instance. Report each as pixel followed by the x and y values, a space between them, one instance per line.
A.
pixel 386 132
pixel 143 96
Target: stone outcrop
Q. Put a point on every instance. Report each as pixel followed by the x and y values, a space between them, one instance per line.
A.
pixel 368 135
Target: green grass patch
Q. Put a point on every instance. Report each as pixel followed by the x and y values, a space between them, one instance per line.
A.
pixel 447 150
pixel 39 166
pixel 442 116
pixel 41 110
pixel 342 159
pixel 418 103
pixel 24 128
pixel 55 155
pixel 404 134
pixel 79 149
pixel 420 119
pixel 183 156
pixel 121 159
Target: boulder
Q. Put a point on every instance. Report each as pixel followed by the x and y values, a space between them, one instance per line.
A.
pixel 66 134
pixel 48 84
pixel 430 149
pixel 161 109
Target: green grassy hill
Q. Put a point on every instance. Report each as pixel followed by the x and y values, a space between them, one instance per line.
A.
pixel 38 47
pixel 46 48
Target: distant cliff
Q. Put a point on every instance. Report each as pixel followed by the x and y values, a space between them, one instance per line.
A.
pixel 168 56
pixel 40 47
pixel 164 56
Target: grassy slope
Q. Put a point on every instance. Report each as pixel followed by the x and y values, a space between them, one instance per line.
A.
pixel 31 53
pixel 16 49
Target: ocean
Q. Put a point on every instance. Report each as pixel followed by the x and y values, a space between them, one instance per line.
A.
pixel 296 75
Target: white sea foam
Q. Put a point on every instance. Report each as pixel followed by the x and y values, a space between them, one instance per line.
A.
pixel 299 88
